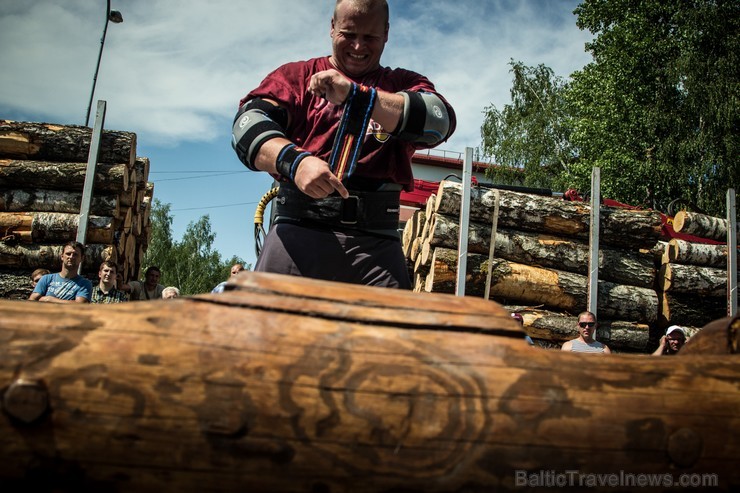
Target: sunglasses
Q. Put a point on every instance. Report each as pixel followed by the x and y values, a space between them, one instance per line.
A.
pixel 583 325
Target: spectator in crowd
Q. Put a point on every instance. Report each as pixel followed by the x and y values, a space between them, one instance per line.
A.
pixel 170 292
pixel 520 319
pixel 67 286
pixel 585 343
pixel 149 289
pixel 235 270
pixel 106 291
pixel 671 342
pixel 37 275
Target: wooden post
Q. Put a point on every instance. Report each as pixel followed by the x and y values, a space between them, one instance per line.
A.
pixel 731 253
pixel 494 229
pixel 593 243
pixel 462 249
pixel 92 162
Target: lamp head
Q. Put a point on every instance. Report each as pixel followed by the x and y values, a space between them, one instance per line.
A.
pixel 115 17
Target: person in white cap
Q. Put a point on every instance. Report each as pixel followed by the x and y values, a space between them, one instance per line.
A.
pixel 671 342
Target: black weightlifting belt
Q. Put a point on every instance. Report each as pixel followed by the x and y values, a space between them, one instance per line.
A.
pixel 369 211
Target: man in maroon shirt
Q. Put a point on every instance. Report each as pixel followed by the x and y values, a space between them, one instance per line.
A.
pixel 338 132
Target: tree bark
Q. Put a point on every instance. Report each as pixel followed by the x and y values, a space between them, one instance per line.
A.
pixel 621 227
pixel 703 226
pixel 690 309
pixel 55 227
pixel 616 265
pixel 293 385
pixel 62 176
pixel 695 279
pixel 561 291
pixel 56 201
pixel 685 252
pixel 15 285
pixel 30 257
pixel 64 143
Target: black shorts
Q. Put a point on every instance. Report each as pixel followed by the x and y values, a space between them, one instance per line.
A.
pixel 343 256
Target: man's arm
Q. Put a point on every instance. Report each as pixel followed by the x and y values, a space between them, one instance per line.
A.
pixel 607 350
pixel 567 345
pixel 661 347
pixel 35 296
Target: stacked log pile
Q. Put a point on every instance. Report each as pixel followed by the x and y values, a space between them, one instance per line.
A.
pixel 692 281
pixel 42 176
pixel 540 261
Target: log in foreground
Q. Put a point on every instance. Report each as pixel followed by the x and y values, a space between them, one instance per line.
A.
pixel 293 385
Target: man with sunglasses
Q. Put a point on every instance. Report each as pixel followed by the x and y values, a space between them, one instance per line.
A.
pixel 585 343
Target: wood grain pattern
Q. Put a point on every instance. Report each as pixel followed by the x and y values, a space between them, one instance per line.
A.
pixel 293 385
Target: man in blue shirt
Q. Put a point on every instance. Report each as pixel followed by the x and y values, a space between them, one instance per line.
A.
pixel 67 286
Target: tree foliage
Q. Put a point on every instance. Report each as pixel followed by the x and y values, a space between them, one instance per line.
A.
pixel 191 263
pixel 656 109
pixel 529 138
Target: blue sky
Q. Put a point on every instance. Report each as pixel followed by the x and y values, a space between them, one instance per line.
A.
pixel 174 71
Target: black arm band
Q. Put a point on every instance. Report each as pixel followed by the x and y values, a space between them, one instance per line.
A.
pixel 288 160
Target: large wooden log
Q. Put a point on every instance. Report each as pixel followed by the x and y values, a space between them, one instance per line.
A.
pixel 64 143
pixel 562 291
pixel 54 227
pixel 622 227
pixel 616 265
pixel 685 252
pixel 701 225
pixel 30 257
pixel 62 176
pixel 41 200
pixel 690 309
pixel 696 279
pixel 15 285
pixel 291 385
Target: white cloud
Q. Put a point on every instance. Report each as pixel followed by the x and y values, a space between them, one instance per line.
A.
pixel 175 70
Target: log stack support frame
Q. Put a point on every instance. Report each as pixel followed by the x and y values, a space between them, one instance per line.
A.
pixel 541 263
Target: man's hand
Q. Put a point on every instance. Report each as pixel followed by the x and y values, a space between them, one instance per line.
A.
pixel 314 178
pixel 330 85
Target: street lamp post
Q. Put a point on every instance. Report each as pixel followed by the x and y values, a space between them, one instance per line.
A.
pixel 115 17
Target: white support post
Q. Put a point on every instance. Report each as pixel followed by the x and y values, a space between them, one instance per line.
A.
pixel 462 242
pixel 731 253
pixel 92 162
pixel 593 243
pixel 492 247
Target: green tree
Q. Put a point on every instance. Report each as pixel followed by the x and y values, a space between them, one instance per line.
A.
pixel 657 108
pixel 191 263
pixel 529 139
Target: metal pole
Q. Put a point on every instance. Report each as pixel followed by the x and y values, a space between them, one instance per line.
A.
pixel 97 66
pixel 731 253
pixel 492 247
pixel 92 162
pixel 462 241
pixel 593 243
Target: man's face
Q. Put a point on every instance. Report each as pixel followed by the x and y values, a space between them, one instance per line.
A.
pixel 358 39
pixel 236 269
pixel 152 278
pixel 71 258
pixel 675 340
pixel 107 274
pixel 36 279
pixel 586 326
